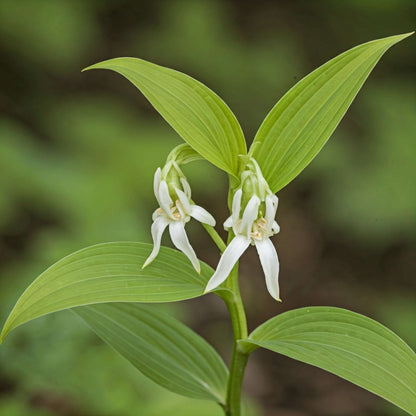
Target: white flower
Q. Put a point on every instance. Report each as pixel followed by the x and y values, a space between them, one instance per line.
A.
pixel 176 215
pixel 252 228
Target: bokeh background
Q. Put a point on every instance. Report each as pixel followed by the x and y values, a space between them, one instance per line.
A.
pixel 77 156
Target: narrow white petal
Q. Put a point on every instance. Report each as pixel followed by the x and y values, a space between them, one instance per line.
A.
pixel 184 200
pixel 158 227
pixel 156 214
pixel 156 183
pixel 275 227
pixel 202 215
pixel 228 223
pixel 227 261
pixel 165 199
pixel 250 215
pixel 271 207
pixel 236 206
pixel 270 263
pixel 181 242
pixel 186 187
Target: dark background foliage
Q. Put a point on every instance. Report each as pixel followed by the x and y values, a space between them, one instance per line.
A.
pixel 77 156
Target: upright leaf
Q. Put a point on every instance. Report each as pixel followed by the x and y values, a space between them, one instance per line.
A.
pixel 110 272
pixel 198 115
pixel 347 344
pixel 299 125
pixel 161 347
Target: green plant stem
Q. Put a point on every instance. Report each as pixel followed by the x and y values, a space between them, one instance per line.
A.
pixel 239 359
pixel 215 237
pixel 234 302
pixel 235 382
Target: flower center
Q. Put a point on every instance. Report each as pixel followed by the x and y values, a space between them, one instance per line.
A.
pixel 177 211
pixel 259 230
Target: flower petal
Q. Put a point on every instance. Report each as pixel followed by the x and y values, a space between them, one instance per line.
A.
pixel 275 227
pixel 181 242
pixel 227 261
pixel 165 199
pixel 228 223
pixel 158 227
pixel 202 215
pixel 250 215
pixel 186 187
pixel 270 263
pixel 271 208
pixel 184 200
pixel 156 183
pixel 236 206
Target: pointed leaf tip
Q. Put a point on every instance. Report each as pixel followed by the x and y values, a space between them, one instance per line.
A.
pixel 194 111
pixel 109 272
pixel 299 125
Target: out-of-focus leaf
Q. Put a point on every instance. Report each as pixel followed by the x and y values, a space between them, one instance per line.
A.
pixel 347 344
pixel 198 115
pixel 109 272
pixel 299 125
pixel 161 347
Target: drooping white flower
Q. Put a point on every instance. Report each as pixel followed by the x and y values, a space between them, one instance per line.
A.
pixel 254 226
pixel 175 212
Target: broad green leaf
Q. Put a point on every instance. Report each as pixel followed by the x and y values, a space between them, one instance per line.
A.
pixel 161 347
pixel 110 272
pixel 299 125
pixel 198 115
pixel 347 344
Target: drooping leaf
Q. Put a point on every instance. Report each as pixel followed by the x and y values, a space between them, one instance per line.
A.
pixel 198 115
pixel 299 125
pixel 347 344
pixel 109 272
pixel 161 347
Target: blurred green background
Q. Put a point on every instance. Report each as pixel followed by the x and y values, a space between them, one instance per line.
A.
pixel 77 156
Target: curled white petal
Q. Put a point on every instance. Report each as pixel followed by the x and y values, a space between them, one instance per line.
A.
pixel 271 208
pixel 164 199
pixel 227 261
pixel 186 187
pixel 156 183
pixel 202 215
pixel 184 200
pixel 275 227
pixel 236 206
pixel 251 213
pixel 181 242
pixel 158 227
pixel 228 223
pixel 270 264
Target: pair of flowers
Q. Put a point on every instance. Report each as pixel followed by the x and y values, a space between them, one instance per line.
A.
pixel 252 221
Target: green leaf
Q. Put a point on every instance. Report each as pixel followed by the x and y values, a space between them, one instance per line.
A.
pixel 347 344
pixel 299 125
pixel 162 348
pixel 110 272
pixel 197 114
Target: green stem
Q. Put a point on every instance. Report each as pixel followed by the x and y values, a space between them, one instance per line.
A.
pixel 232 299
pixel 239 359
pixel 235 382
pixel 215 236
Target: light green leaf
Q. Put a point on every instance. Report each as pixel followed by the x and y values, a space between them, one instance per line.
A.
pixel 161 347
pixel 299 125
pixel 347 344
pixel 110 272
pixel 198 115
